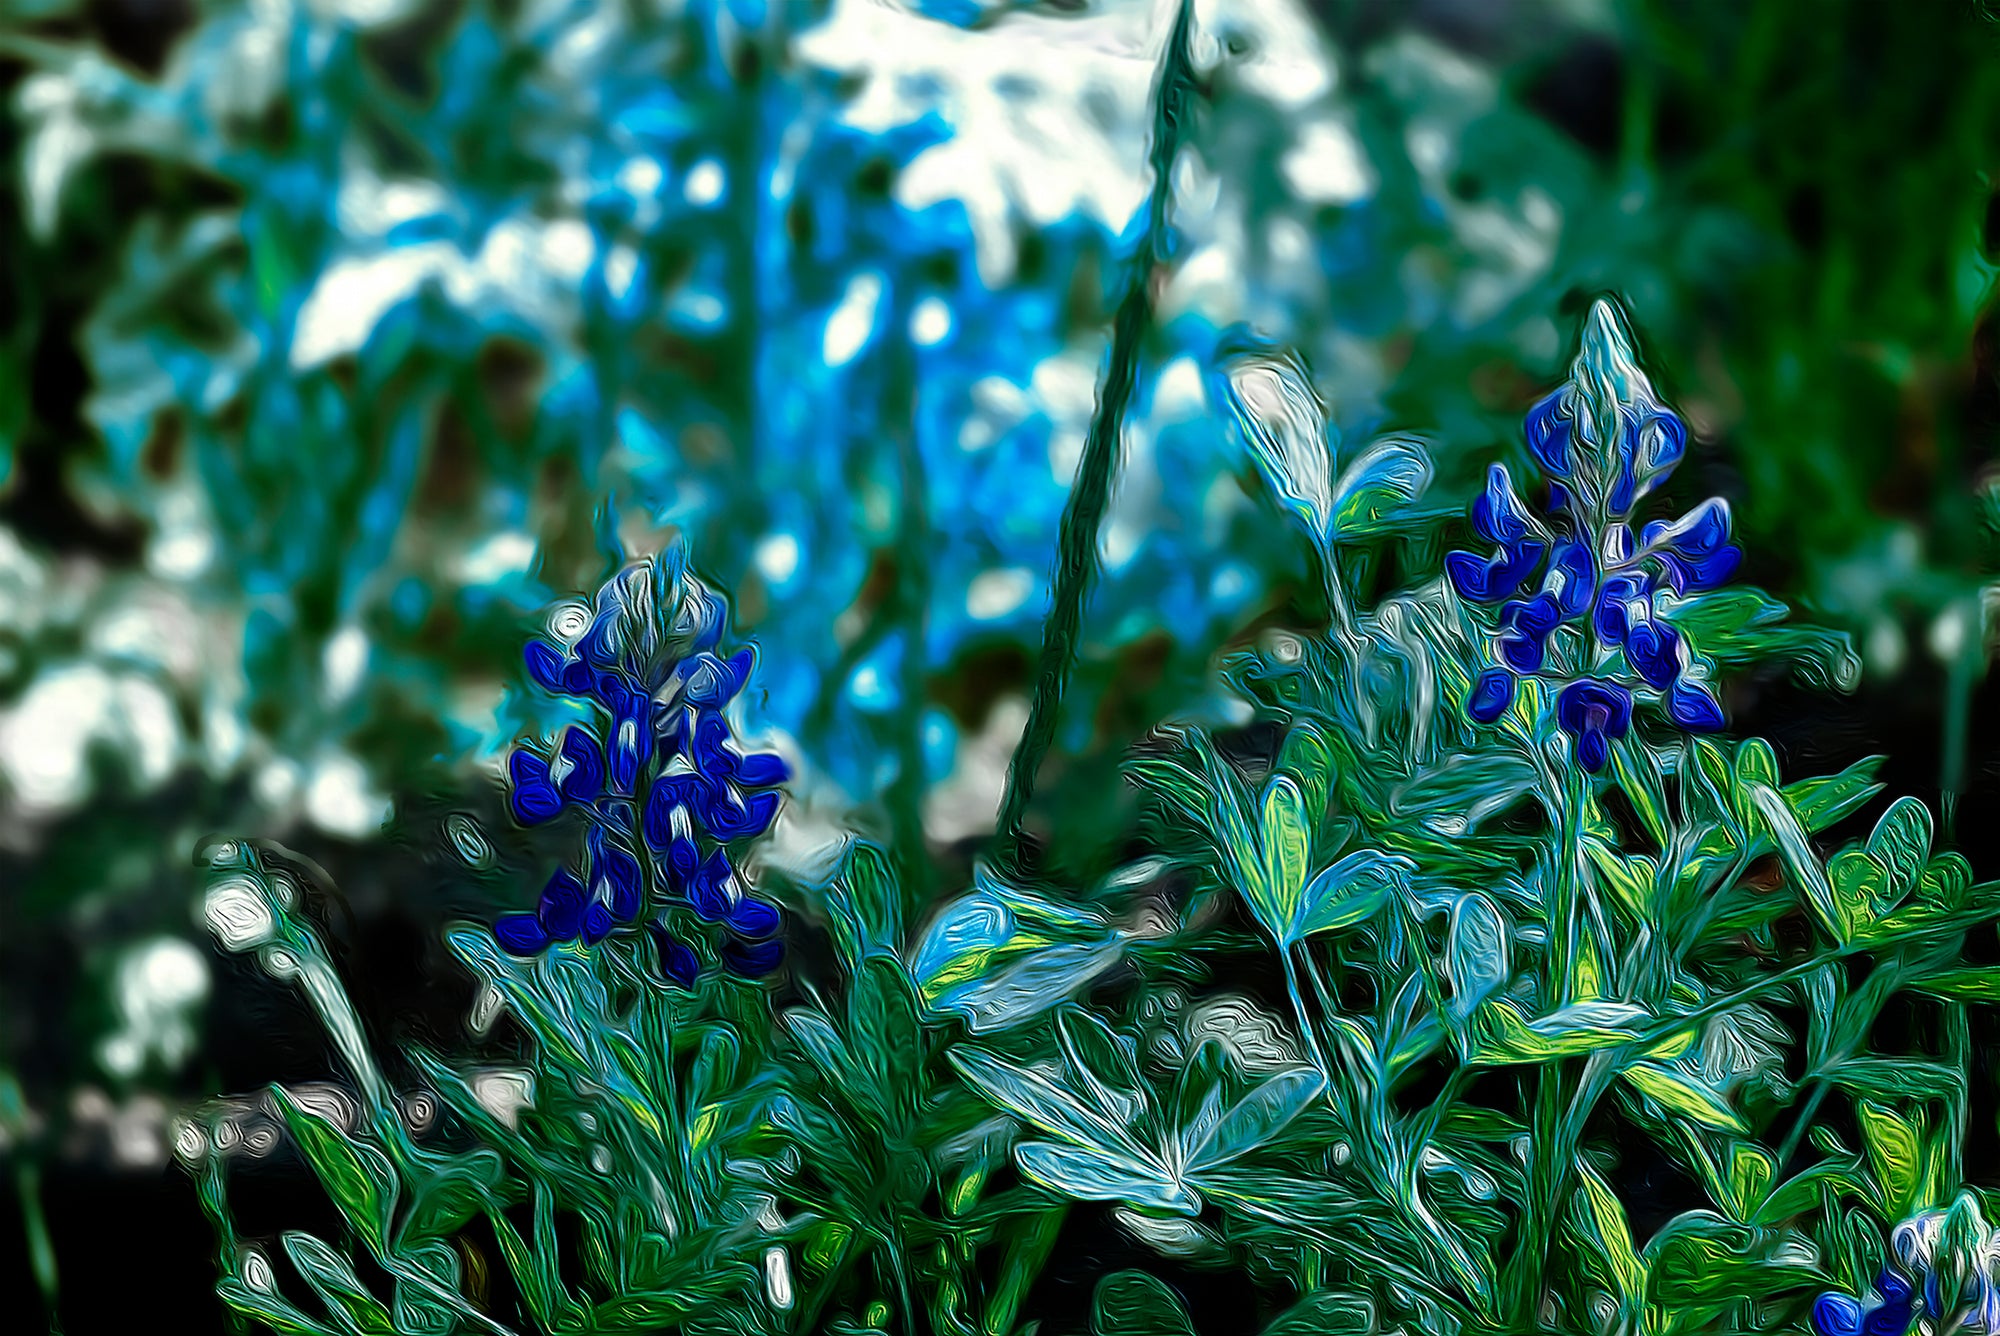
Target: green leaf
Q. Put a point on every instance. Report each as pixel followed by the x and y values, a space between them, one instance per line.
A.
pixel 1974 984
pixel 334 1281
pixel 1582 1027
pixel 1382 480
pixel 1037 1101
pixel 1826 799
pixel 280 1316
pixel 1599 1220
pixel 1257 1118
pixel 1090 1174
pixel 1640 780
pixel 863 906
pixel 452 1194
pixel 1679 1093
pixel 1895 1155
pixel 1132 1303
pixel 1308 757
pixel 1751 1169
pixel 1898 1078
pixel 1105 1065
pixel 1350 892
pixel 1901 844
pixel 1286 844
pixel 1326 1313
pixel 358 1177
pixel 1631 877
pixel 1800 861
pixel 1475 952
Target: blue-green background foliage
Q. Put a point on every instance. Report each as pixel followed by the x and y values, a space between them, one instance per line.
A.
pixel 342 336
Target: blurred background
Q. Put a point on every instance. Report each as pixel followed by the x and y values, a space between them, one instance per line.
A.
pixel 337 337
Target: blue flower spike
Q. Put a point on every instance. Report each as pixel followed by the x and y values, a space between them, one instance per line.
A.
pixel 1944 1276
pixel 1576 591
pixel 656 768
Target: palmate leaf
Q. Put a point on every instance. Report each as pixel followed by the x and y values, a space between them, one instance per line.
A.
pixel 1895 1154
pixel 1090 1174
pixel 1349 892
pixel 1801 863
pixel 1040 1103
pixel 1255 1120
pixel 1104 1064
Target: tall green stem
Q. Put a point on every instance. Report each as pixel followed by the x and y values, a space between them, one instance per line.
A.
pixel 1077 542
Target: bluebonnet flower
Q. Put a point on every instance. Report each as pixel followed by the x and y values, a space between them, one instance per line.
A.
pixel 1945 1277
pixel 657 776
pixel 1604 440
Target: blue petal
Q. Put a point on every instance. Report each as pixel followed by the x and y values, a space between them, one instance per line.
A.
pixel 597 924
pixel 1572 578
pixel 705 889
pixel 1616 612
pixel 762 770
pixel 545 666
pixel 520 934
pixel 715 681
pixel 585 780
pixel 1837 1314
pixel 1547 428
pixel 753 959
pixel 1491 695
pixel 622 885
pixel 1654 651
pixel 1592 750
pixel 1653 442
pixel 1694 708
pixel 1493 578
pixel 532 797
pixel 678 963
pixel 732 816
pixel 561 908
pixel 753 918
pixel 1497 513
pixel 1590 705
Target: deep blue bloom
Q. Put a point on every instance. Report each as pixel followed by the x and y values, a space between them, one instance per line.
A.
pixel 521 934
pixel 562 904
pixel 753 918
pixel 583 779
pixel 1547 430
pixel 1654 650
pixel 656 768
pixel 533 797
pixel 1524 632
pixel 1491 695
pixel 1694 708
pixel 1837 1314
pixel 1596 714
pixel 1499 517
pixel 678 962
pixel 752 959
pixel 1604 441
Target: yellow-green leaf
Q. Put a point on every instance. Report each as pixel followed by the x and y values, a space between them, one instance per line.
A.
pixel 1894 1153
pixel 1679 1093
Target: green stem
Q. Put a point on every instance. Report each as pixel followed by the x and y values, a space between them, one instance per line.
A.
pixel 913 596
pixel 1299 1010
pixel 35 1224
pixel 1082 516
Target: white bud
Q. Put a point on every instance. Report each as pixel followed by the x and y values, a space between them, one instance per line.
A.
pixel 239 914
